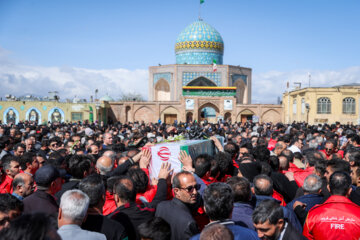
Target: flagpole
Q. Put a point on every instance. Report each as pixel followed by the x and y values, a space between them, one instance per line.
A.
pixel 200 11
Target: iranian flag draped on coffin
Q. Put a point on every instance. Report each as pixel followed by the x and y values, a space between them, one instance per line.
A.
pixel 169 152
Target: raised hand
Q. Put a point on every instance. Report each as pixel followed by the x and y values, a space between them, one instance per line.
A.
pixel 145 158
pixel 185 159
pixel 165 170
pixel 217 143
pixel 137 157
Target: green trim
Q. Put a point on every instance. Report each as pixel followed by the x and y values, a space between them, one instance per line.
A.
pixel 184 148
pixel 209 92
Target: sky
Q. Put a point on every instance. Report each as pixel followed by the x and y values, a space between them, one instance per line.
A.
pixel 77 46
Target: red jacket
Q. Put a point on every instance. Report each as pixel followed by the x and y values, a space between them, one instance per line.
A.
pixel 6 185
pixel 300 175
pixel 337 218
pixel 341 152
pixel 109 205
pixel 148 195
pixel 271 144
pixel 279 197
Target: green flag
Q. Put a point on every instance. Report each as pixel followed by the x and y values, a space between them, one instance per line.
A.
pixel 202 1
pixel 91 114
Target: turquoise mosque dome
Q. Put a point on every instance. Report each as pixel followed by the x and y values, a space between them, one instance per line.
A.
pixel 199 43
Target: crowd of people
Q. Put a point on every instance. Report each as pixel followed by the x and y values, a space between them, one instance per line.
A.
pixel 264 181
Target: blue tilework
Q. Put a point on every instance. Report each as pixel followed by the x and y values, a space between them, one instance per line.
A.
pixel 199 31
pixel 199 43
pixel 235 77
pixel 198 58
pixel 166 76
pixel 213 76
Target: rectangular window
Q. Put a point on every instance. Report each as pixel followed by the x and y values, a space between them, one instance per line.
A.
pixel 75 116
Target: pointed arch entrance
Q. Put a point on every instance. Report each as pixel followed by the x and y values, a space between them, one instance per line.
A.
pixel 202 82
pixel 240 91
pixel 208 112
pixel 189 117
pixel 245 115
pixel 162 90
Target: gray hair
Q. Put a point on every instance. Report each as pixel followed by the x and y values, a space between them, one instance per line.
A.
pixel 104 170
pixel 74 205
pixel 312 184
pixel 319 139
pixel 313 143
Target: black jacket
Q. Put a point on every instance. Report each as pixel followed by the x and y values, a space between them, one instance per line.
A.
pixel 283 186
pixel 139 214
pixel 113 230
pixel 178 215
pixel 72 184
pixel 40 201
pixel 292 233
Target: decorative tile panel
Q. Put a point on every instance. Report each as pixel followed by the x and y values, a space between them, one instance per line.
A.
pixel 189 76
pixel 235 77
pixel 158 76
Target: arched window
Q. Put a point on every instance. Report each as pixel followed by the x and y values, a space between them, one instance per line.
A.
pixel 302 106
pixel 349 105
pixel 294 106
pixel 324 105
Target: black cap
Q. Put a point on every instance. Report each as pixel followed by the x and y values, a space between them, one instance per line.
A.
pixel 45 175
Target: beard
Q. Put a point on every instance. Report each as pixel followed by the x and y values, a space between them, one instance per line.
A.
pixel 274 237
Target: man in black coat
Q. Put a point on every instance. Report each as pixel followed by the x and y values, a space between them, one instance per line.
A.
pixel 48 183
pixel 95 221
pixel 177 211
pixel 125 196
pixel 269 222
pixel 79 167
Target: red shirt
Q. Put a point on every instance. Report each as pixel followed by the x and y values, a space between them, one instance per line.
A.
pixel 337 218
pixel 6 185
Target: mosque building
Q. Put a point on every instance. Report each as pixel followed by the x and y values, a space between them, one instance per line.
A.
pixel 199 86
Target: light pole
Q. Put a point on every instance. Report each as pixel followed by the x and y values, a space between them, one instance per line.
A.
pixel 307 106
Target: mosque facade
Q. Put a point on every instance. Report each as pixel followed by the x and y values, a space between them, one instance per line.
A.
pixel 199 86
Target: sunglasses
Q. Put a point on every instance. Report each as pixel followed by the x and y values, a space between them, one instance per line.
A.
pixel 190 189
pixel 4 221
pixel 328 149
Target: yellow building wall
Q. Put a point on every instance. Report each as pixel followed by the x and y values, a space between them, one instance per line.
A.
pixel 44 107
pixel 311 96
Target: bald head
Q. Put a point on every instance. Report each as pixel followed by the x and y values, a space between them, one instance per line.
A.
pixel 283 163
pixel 263 185
pixel 104 165
pixel 110 154
pixel 23 184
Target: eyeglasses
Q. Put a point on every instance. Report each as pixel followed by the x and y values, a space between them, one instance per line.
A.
pixel 328 149
pixel 190 189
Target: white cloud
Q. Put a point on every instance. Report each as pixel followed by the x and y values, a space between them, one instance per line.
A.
pixel 267 87
pixel 19 79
